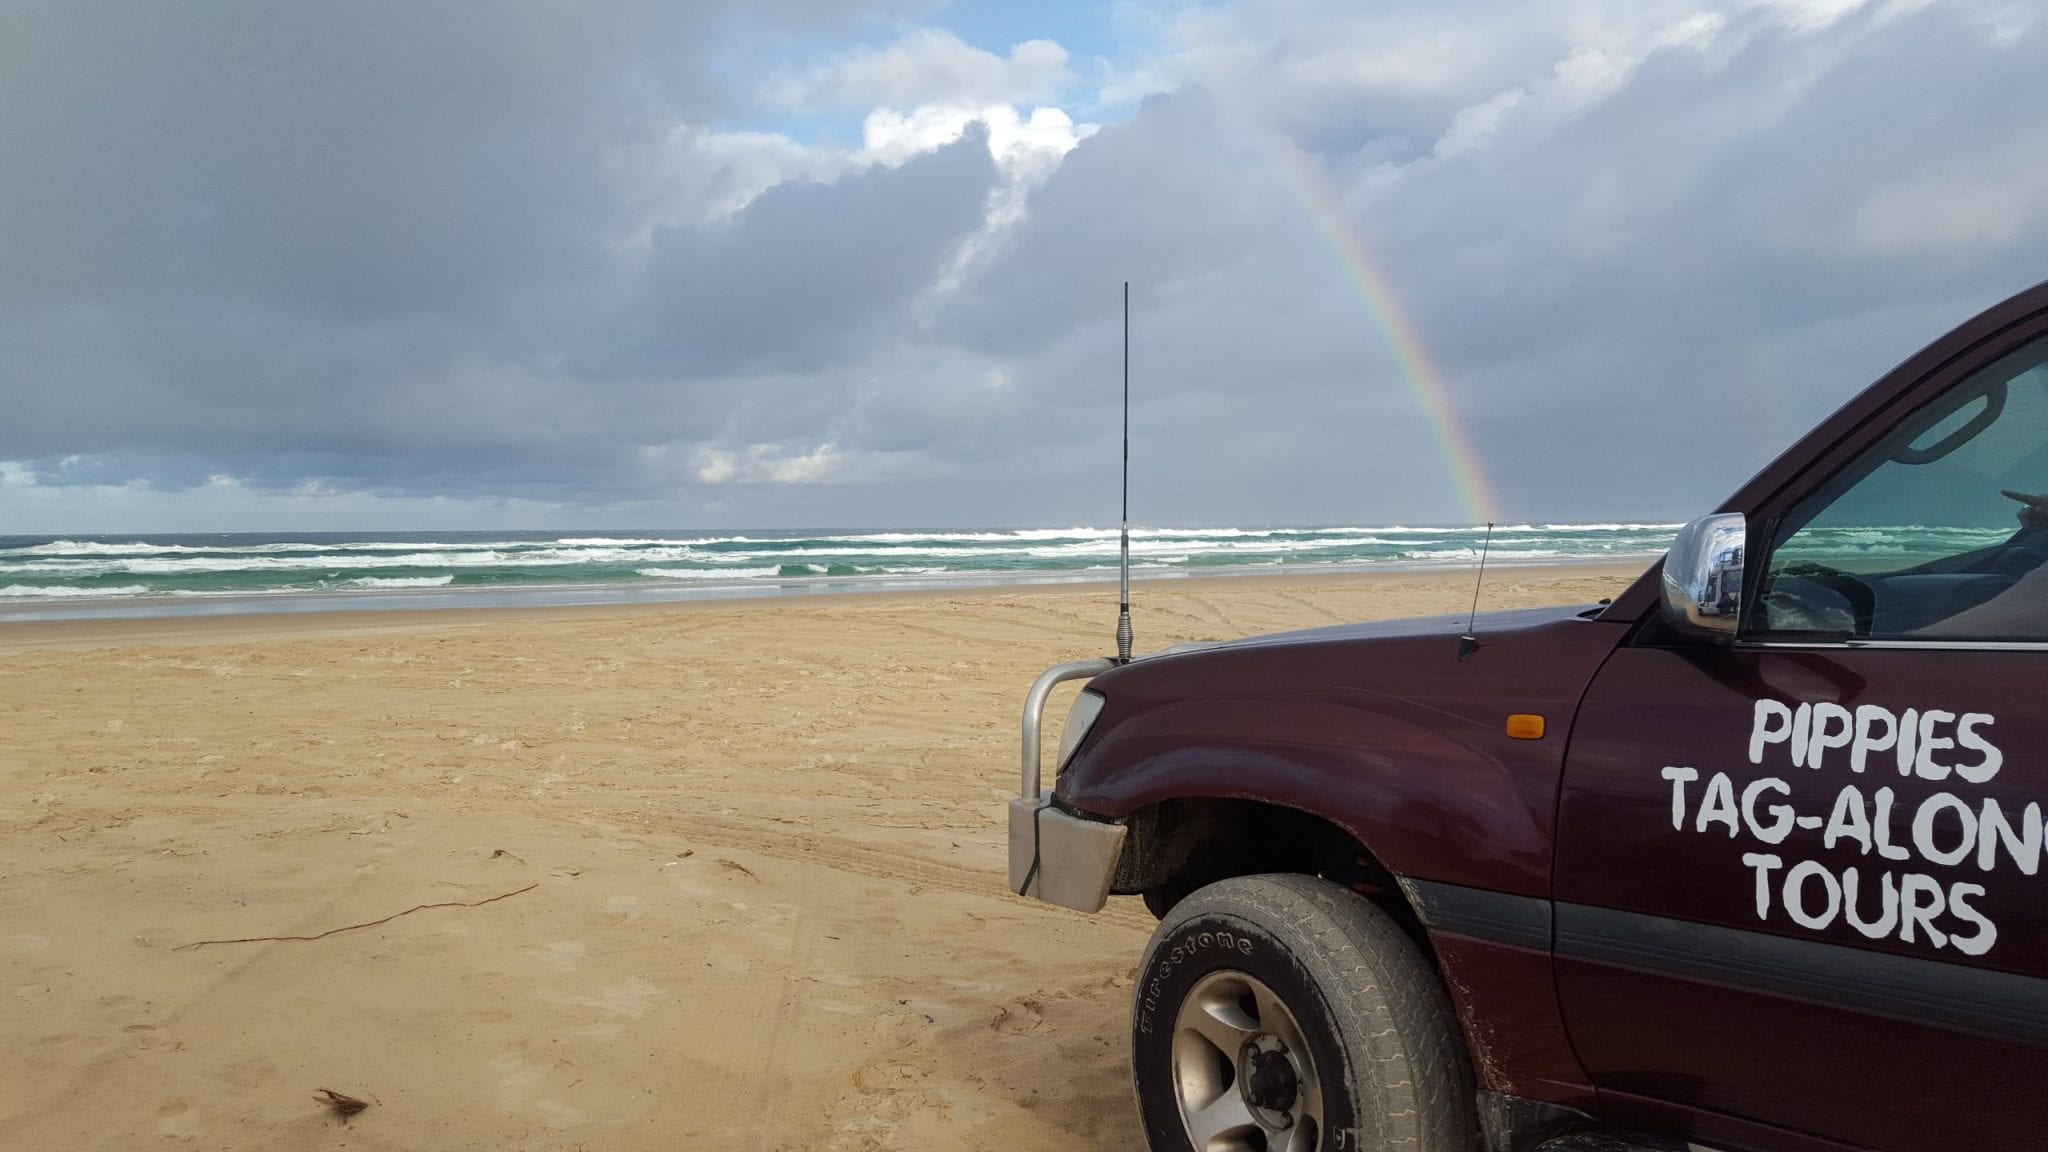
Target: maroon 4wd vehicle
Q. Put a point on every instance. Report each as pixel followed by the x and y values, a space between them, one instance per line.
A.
pixel 1748 858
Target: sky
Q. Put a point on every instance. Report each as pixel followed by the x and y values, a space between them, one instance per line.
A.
pixel 850 264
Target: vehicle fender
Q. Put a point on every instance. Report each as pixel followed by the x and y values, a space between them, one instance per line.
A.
pixel 1399 739
pixel 1428 793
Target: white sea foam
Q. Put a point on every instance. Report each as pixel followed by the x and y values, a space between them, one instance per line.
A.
pixel 440 581
pixel 706 573
pixel 140 548
pixel 649 541
pixel 254 562
pixel 60 590
pixel 1600 527
pixel 603 544
pixel 824 550
pixel 204 566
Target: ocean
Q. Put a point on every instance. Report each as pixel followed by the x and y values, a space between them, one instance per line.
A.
pixel 44 577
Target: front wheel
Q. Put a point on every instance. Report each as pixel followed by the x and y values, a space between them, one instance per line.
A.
pixel 1284 1013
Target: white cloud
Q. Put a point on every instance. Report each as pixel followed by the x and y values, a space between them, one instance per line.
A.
pixel 2010 23
pixel 705 175
pixel 1812 15
pixel 1694 30
pixel 1597 55
pixel 824 464
pixel 1276 54
pixel 1588 74
pixel 922 93
pixel 1027 150
pixel 1024 147
pixel 927 66
pixel 1473 126
pixel 717 175
pixel 1953 214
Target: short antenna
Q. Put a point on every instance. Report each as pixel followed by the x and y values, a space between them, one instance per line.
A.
pixel 1123 615
pixel 1468 643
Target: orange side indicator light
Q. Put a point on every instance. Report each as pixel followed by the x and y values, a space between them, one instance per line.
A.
pixel 1525 726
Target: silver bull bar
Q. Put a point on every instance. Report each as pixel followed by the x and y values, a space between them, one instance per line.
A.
pixel 1055 855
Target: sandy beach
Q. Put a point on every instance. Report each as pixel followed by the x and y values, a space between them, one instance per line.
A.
pixel 705 876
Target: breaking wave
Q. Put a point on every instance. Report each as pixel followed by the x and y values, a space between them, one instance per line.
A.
pixel 101 568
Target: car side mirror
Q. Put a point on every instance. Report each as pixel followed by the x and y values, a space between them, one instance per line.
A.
pixel 1703 577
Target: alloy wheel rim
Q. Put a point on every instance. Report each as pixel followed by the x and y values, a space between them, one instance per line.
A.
pixel 1243 1077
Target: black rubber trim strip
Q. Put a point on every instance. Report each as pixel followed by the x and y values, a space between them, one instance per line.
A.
pixel 1923 991
pixel 1953 996
pixel 1498 917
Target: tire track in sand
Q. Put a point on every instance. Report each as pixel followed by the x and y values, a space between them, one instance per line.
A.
pixel 819 849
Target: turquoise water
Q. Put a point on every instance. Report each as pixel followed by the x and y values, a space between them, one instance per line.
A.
pixel 155 574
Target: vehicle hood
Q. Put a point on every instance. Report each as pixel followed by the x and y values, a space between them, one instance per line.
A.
pixel 1484 624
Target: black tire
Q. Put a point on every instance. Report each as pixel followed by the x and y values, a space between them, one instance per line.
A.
pixel 1383 1046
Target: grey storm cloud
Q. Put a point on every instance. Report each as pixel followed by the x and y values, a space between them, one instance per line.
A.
pixel 532 257
pixel 809 273
pixel 256 232
pixel 1669 282
pixel 358 162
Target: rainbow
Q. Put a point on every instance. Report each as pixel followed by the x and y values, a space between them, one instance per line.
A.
pixel 1468 474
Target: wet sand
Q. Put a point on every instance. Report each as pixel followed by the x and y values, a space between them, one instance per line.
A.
pixel 709 875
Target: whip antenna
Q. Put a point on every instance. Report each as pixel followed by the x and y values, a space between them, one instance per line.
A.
pixel 1123 615
pixel 1468 643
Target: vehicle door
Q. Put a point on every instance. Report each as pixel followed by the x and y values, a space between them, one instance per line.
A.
pixel 1799 872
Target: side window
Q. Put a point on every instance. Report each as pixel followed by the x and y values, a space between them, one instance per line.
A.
pixel 1940 533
